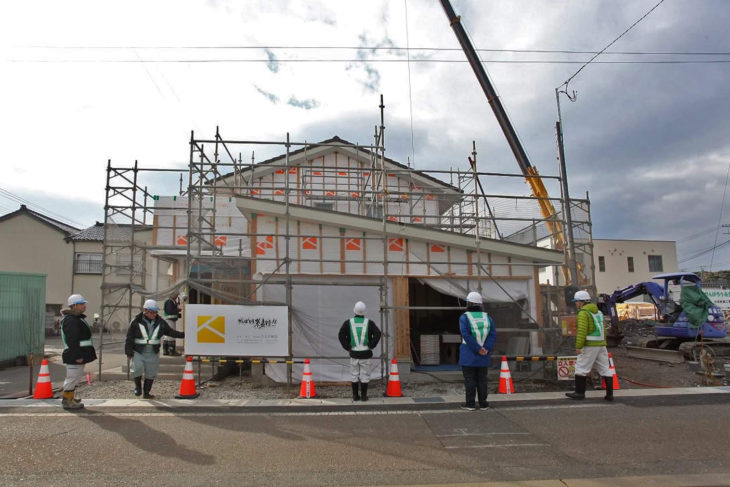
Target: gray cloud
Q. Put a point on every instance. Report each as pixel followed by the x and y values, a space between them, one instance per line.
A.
pixel 308 104
pixel 273 64
pixel 270 96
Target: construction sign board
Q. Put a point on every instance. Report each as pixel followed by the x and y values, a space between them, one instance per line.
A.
pixel 237 331
pixel 566 368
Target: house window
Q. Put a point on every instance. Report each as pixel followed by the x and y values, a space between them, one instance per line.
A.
pixel 324 205
pixel 601 263
pixel 655 263
pixel 630 261
pixel 375 211
pixel 88 263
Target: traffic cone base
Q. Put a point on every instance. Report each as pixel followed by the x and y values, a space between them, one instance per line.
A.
pixel 43 389
pixel 187 386
pixel 612 368
pixel 505 379
pixel 394 389
pixel 307 389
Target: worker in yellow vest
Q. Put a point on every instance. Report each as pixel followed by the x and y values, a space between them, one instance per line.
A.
pixel 359 336
pixel 590 346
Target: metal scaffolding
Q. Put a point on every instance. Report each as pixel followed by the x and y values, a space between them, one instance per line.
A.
pixel 369 186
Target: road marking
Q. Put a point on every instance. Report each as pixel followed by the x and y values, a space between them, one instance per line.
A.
pixel 515 445
pixel 479 434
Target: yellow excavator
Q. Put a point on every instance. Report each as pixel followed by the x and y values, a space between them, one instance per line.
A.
pixel 553 223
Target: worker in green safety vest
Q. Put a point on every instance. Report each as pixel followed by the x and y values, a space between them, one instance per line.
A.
pixel 590 346
pixel 78 349
pixel 478 335
pixel 142 346
pixel 359 336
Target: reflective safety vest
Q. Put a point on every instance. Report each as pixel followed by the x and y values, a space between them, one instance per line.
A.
pixel 359 334
pixel 598 334
pixel 479 324
pixel 153 339
pixel 82 343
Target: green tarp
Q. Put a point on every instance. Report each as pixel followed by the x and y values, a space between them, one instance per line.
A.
pixel 696 304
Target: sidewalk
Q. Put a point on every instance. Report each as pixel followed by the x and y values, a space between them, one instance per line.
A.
pixel 385 404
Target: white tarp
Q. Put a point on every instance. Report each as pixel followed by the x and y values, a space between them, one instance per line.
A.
pixel 239 331
pixel 493 292
pixel 318 312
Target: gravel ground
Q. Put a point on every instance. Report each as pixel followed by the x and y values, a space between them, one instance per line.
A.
pixel 633 373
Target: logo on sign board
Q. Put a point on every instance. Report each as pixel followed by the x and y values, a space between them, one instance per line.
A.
pixel 211 329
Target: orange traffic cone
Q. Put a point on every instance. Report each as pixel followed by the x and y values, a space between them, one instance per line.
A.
pixel 505 379
pixel 393 389
pixel 307 388
pixel 43 385
pixel 611 367
pixel 187 386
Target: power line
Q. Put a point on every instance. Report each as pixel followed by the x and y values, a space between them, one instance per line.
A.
pixel 395 48
pixel 703 252
pixel 12 196
pixel 611 43
pixel 322 60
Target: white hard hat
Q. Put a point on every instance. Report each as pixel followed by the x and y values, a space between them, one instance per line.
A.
pixel 359 308
pixel 151 305
pixel 76 299
pixel 474 297
pixel 581 296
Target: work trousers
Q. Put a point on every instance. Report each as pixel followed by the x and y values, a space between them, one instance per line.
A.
pixel 475 384
pixel 589 356
pixel 74 374
pixel 360 370
pixel 147 364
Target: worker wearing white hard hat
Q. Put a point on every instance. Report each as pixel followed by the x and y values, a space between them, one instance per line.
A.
pixel 359 336
pixel 78 348
pixel 478 335
pixel 590 346
pixel 142 346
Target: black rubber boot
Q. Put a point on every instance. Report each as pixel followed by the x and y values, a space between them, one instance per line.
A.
pixel 364 389
pixel 355 393
pixel 138 386
pixel 165 348
pixel 173 350
pixel 580 388
pixel 148 388
pixel 609 388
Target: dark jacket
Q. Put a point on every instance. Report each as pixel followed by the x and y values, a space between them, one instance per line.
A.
pixel 134 332
pixel 373 339
pixel 74 330
pixel 172 310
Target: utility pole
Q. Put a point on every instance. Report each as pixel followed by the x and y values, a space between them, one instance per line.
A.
pixel 572 263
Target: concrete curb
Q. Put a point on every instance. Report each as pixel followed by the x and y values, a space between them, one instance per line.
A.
pixel 375 403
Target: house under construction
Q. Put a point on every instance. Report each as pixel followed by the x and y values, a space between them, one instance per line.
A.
pixel 323 225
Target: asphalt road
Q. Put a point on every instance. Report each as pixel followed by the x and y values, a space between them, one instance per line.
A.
pixel 643 436
pixel 15 381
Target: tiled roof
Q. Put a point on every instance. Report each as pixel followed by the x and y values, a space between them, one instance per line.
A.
pixel 62 227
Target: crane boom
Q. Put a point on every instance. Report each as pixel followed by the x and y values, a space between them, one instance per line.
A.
pixel 528 170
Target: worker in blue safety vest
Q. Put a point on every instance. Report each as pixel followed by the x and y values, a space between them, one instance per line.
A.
pixel 78 349
pixel 359 336
pixel 142 346
pixel 478 335
pixel 590 346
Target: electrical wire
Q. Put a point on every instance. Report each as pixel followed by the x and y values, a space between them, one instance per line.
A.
pixel 323 60
pixel 611 43
pixel 719 220
pixel 12 196
pixel 393 48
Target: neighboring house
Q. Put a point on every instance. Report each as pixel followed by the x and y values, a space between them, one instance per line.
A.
pixel 621 263
pixel 327 212
pixel 31 242
pixel 71 259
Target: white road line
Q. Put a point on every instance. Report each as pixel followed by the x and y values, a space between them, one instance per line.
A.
pixel 515 445
pixel 480 434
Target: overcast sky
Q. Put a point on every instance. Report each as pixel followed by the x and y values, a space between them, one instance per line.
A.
pixel 84 82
